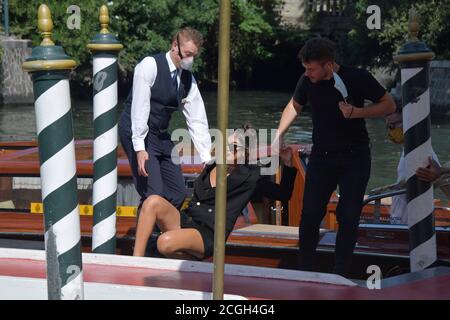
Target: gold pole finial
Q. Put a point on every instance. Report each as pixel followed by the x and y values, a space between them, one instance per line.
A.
pixel 104 19
pixel 414 22
pixel 45 25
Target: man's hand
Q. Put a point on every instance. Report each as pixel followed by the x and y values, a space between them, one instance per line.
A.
pixel 286 156
pixel 431 172
pixel 348 111
pixel 142 156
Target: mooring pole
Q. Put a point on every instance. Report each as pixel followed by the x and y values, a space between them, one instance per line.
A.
pixel 6 16
pixel 105 49
pixel 222 121
pixel 50 68
pixel 414 59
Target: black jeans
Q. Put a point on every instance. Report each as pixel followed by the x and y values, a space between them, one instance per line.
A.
pixel 350 171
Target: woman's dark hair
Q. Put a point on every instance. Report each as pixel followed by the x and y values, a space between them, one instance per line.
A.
pixel 247 137
pixel 318 49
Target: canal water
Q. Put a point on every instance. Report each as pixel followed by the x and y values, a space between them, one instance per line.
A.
pixel 263 109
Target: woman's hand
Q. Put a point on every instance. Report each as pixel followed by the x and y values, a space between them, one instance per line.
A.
pixel 286 156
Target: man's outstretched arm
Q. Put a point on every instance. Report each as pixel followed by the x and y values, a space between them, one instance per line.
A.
pixel 290 112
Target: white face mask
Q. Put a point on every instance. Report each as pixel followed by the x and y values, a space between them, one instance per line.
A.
pixel 187 63
pixel 340 86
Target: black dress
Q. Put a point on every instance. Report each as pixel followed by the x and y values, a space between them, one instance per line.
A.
pixel 241 185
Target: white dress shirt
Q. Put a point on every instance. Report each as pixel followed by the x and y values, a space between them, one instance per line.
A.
pixel 193 108
pixel 399 206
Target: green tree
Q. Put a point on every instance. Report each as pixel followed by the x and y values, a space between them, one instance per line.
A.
pixel 147 26
pixel 377 47
pixel 23 22
pixel 150 25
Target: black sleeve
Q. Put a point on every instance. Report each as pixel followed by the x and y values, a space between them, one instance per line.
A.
pixel 236 204
pixel 300 91
pixel 371 88
pixel 282 191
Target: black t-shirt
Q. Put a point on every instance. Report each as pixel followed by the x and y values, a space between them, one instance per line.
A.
pixel 331 131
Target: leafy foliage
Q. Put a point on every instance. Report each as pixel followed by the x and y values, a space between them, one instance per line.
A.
pixel 147 26
pixel 263 51
pixel 377 47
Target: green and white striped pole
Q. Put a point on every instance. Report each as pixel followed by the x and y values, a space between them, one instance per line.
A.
pixel 105 48
pixel 50 68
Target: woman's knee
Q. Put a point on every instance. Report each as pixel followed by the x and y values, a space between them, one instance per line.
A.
pixel 165 244
pixel 152 204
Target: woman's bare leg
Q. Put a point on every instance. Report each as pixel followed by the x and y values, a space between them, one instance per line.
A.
pixel 181 244
pixel 154 210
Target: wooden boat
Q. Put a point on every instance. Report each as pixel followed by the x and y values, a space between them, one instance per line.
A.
pixel 121 277
pixel 256 240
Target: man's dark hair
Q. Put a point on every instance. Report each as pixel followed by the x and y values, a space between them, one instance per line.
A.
pixel 318 49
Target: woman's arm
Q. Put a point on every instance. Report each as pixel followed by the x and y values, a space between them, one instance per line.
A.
pixel 282 191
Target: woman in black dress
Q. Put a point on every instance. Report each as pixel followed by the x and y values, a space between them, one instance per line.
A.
pixel 190 233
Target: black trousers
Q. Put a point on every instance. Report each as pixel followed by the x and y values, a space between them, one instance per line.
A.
pixel 350 171
pixel 165 178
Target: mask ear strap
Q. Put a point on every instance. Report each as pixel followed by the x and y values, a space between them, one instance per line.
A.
pixel 178 45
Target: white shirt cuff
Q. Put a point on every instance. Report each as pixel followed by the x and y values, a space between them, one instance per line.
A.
pixel 205 157
pixel 138 145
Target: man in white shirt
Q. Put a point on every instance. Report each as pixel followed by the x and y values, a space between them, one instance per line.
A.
pixel 162 84
pixel 398 211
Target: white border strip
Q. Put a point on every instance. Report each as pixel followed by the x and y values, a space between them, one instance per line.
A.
pixel 22 288
pixel 188 266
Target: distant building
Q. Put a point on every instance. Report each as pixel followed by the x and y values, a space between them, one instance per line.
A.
pixel 324 17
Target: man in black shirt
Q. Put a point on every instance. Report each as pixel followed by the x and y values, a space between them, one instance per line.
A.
pixel 341 154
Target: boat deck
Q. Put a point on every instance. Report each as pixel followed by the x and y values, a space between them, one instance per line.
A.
pixel 249 282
